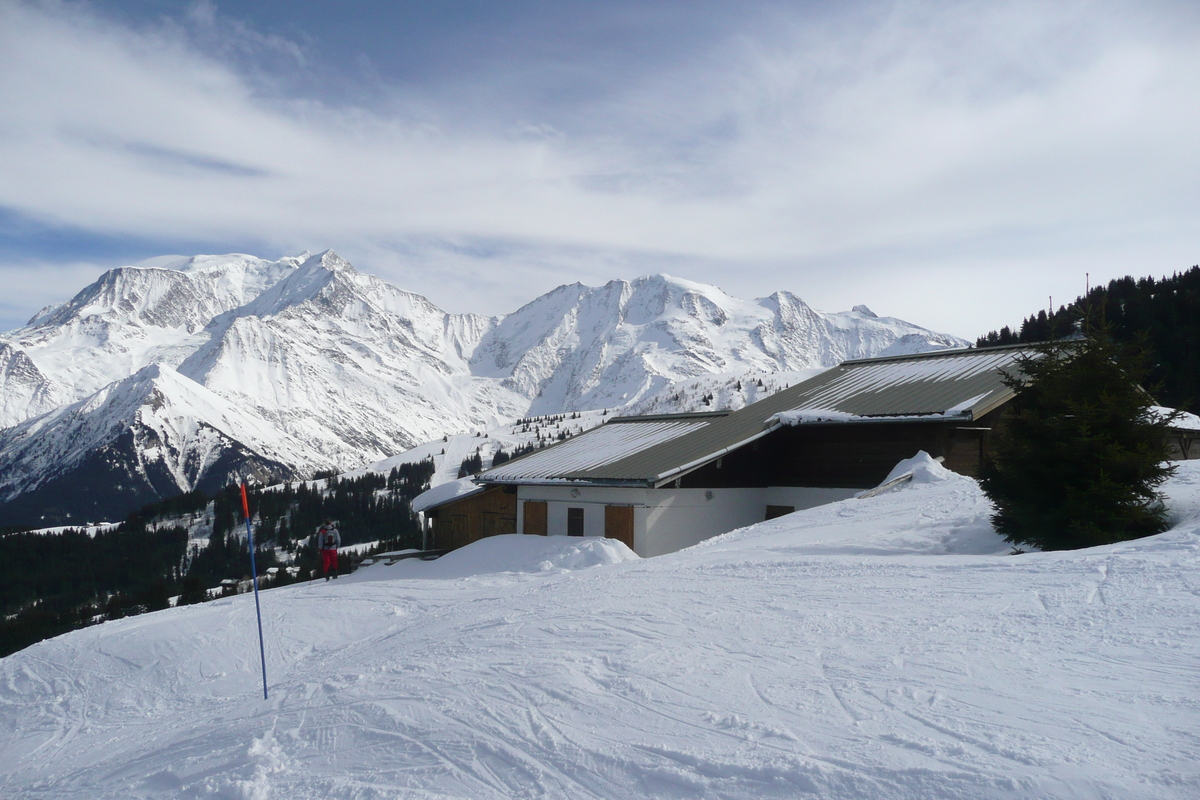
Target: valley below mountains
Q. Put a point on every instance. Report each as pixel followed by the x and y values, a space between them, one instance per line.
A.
pixel 155 381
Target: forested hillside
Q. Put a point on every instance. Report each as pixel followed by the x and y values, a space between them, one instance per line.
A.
pixel 51 583
pixel 1166 311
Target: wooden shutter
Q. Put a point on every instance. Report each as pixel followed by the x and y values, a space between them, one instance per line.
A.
pixel 618 524
pixel 535 517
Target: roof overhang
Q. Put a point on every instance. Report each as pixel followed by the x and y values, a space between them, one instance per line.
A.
pixel 680 471
pixel 890 420
pixel 445 494
pixel 564 482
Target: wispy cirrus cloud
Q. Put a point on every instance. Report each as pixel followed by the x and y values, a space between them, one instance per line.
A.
pixel 874 154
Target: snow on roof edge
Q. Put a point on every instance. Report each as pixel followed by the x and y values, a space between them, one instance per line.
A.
pixel 445 492
pixel 944 352
pixel 1186 421
pixel 824 416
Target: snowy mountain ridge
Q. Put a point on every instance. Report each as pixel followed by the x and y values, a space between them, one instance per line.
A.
pixel 304 363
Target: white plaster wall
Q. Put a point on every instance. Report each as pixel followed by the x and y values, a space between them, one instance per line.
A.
pixel 801 497
pixel 679 518
pixel 666 520
pixel 556 517
pixel 592 499
pixel 612 495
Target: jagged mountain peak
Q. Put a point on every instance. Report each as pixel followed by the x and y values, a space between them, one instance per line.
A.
pixel 649 298
pixel 42 314
pixel 641 301
pixel 783 299
pixel 677 286
pixel 580 347
pixel 330 292
pixel 119 399
pixel 329 260
pixel 122 294
pixel 184 295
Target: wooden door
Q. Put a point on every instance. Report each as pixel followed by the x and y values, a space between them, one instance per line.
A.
pixel 535 517
pixel 459 532
pixel 618 524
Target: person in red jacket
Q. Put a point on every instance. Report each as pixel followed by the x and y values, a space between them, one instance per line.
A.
pixel 328 542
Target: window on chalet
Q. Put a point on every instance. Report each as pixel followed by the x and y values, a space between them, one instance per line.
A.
pixel 574 522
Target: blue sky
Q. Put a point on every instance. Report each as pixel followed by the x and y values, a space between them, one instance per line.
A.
pixel 953 164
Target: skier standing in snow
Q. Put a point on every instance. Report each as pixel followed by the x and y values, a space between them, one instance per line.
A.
pixel 328 542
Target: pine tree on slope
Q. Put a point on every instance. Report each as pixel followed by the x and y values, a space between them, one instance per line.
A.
pixel 1080 456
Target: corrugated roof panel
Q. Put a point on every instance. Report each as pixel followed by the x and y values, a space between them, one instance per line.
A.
pixel 599 446
pixel 648 463
pixel 911 386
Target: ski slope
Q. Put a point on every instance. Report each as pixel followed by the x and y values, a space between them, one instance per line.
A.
pixel 878 648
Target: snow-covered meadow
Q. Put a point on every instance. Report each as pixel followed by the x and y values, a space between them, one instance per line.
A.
pixel 879 648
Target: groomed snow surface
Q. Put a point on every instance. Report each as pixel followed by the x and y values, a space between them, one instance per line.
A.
pixel 878 648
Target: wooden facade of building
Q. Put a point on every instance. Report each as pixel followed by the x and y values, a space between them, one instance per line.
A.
pixel 460 522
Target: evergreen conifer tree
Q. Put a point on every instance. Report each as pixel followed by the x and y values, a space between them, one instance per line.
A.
pixel 1080 455
pixel 192 591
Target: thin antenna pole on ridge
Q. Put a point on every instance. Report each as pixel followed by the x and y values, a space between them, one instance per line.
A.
pixel 1087 303
pixel 262 653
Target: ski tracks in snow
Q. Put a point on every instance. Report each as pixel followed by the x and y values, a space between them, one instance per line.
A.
pixel 718 673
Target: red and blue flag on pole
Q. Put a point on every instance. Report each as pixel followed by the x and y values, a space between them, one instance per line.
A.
pixel 262 654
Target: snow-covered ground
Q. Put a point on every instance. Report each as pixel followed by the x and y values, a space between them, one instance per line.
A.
pixel 90 528
pixel 878 648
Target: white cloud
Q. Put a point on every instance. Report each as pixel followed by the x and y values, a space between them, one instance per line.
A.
pixel 891 145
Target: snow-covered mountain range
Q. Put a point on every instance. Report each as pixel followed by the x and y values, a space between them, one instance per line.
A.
pixel 157 380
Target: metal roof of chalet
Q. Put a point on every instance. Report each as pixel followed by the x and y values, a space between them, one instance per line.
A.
pixel 947 383
pixel 649 451
pixel 590 453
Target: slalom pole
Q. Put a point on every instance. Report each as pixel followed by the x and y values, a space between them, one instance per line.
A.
pixel 262 653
